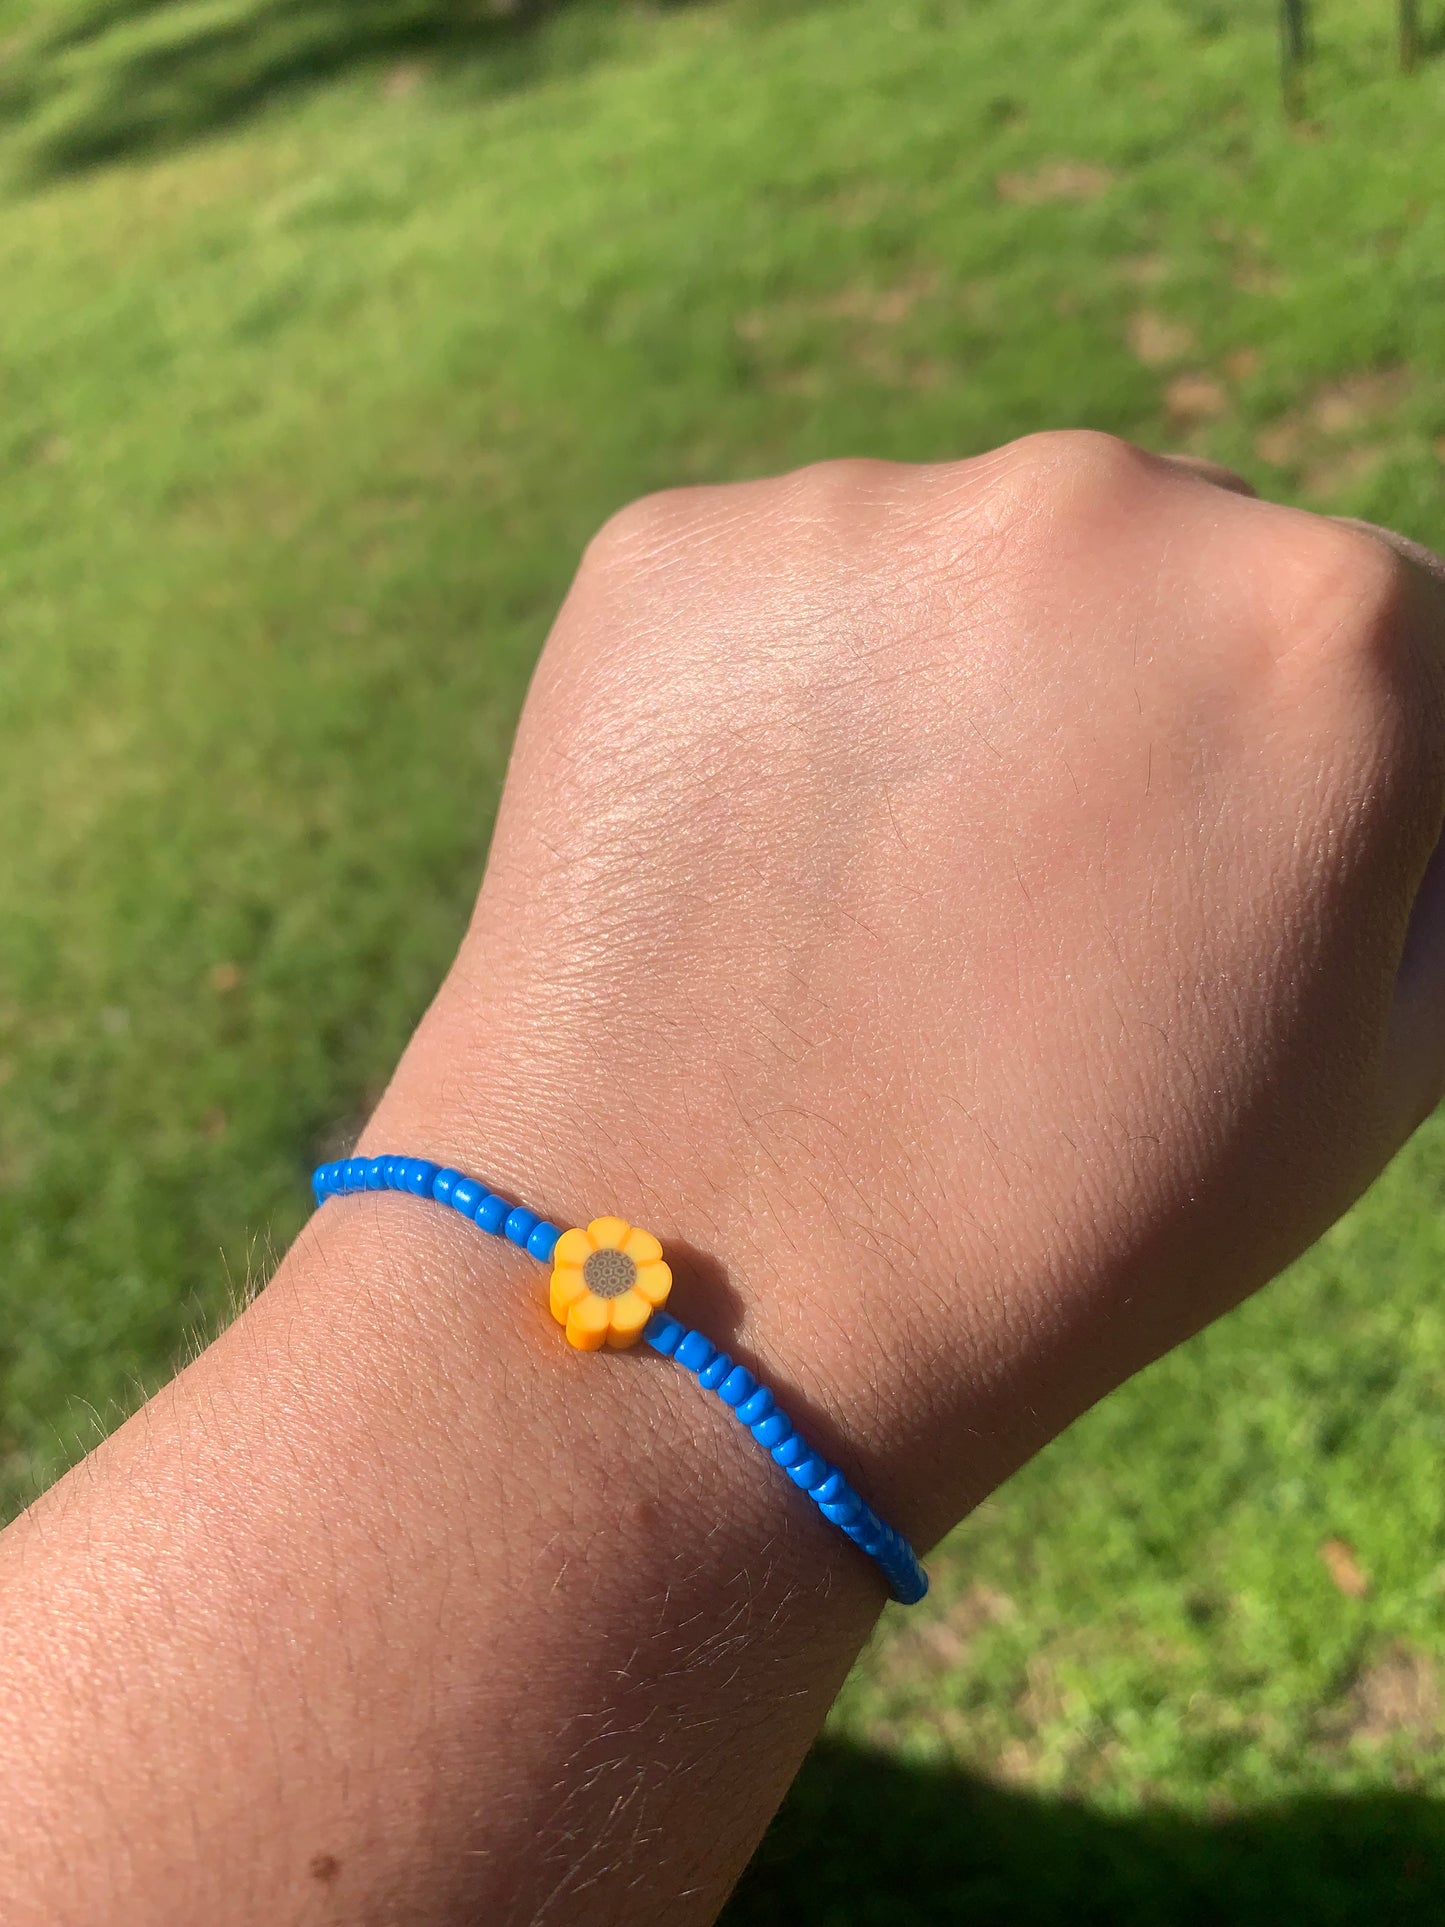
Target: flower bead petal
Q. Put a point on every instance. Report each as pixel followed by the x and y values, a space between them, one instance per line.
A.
pixel 588 1322
pixel 653 1282
pixel 607 1234
pixel 630 1313
pixel 642 1247
pixel 573 1248
pixel 568 1285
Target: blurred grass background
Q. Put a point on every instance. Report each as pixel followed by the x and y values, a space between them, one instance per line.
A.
pixel 328 333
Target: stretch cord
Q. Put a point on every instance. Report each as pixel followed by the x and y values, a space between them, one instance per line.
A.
pixel 608 1287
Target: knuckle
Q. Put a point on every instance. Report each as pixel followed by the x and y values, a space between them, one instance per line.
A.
pixel 634 533
pixel 1062 489
pixel 845 478
pixel 1340 593
pixel 1358 632
pixel 1080 464
pixel 836 508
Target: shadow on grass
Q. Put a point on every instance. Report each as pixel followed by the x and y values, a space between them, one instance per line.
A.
pixel 100 80
pixel 864 1841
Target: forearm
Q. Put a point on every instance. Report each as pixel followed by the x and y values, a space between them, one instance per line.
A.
pixel 393 1605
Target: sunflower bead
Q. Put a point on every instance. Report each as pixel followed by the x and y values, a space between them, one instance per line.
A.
pixel 607 1281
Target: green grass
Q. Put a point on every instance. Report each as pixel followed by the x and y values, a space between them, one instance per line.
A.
pixel 324 344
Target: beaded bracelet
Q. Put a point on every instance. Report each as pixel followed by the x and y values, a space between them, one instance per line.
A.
pixel 609 1284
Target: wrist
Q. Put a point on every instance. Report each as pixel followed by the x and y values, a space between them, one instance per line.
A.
pixel 608 1389
pixel 756 1268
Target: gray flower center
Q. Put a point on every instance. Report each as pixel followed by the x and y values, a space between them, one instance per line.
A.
pixel 609 1273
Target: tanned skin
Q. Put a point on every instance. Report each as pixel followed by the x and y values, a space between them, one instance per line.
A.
pixel 981 918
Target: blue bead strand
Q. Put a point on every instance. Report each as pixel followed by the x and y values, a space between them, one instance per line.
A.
pixel 421 1179
pixel 756 1410
pixel 751 1404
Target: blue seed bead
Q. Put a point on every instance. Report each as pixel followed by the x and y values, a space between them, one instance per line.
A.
pixel 738 1385
pixel 868 1533
pixel 520 1225
pixel 912 1584
pixel 444 1183
pixel 772 1430
pixel 373 1174
pixel 664 1333
pixel 695 1352
pixel 789 1450
pixel 348 1174
pixel 387 1166
pixel 543 1241
pixel 421 1175
pixel 756 1407
pixel 806 1471
pixel 843 1512
pixel 713 1374
pixel 466 1196
pixel 833 1488
pixel 493 1213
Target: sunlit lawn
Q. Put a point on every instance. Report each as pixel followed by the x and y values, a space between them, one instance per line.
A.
pixel 302 426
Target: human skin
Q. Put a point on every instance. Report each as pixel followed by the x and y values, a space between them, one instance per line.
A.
pixel 973 914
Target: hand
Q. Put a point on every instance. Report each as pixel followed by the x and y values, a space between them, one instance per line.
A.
pixel 973 906
pixel 980 910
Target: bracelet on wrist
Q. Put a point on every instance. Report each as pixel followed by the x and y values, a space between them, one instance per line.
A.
pixel 608 1288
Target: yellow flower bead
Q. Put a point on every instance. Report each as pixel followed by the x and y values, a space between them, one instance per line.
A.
pixel 606 1283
